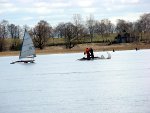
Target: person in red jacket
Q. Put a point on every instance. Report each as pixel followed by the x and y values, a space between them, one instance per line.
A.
pixel 87 52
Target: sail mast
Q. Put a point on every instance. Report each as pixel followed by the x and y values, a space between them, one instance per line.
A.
pixel 22 44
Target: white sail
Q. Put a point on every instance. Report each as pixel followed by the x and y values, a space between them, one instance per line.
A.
pixel 27 49
pixel 109 56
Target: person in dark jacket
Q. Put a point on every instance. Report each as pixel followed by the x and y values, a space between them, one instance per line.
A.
pixel 91 53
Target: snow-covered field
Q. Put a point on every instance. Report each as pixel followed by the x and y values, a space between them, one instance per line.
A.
pixel 60 83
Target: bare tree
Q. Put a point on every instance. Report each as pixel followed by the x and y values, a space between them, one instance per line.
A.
pixel 78 25
pixel 122 26
pixel 14 32
pixel 60 30
pixel 100 28
pixel 109 27
pixel 41 34
pixel 3 34
pixel 145 24
pixel 90 24
pixel 103 28
pixel 70 35
pixel 138 29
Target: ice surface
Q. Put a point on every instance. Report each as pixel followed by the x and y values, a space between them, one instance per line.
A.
pixel 59 83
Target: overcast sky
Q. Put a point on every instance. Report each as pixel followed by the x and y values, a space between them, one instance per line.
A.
pixel 29 12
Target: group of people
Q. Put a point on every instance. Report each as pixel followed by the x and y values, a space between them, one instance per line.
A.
pixel 89 53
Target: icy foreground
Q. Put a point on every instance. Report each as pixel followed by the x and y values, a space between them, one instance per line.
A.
pixel 62 84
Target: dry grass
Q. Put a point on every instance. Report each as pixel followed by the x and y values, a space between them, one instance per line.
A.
pixel 81 48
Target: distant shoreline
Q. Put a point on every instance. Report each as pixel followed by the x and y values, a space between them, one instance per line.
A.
pixel 81 47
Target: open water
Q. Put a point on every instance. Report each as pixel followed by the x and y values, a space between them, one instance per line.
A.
pixel 59 83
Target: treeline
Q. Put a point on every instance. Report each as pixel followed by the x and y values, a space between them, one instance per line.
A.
pixel 75 32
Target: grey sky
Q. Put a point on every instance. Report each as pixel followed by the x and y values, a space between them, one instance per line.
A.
pixel 54 11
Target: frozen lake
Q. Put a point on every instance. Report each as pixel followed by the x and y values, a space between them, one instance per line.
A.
pixel 59 83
